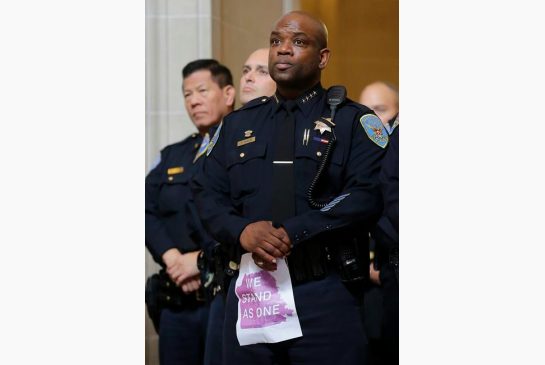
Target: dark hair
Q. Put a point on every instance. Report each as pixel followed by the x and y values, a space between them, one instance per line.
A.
pixel 220 74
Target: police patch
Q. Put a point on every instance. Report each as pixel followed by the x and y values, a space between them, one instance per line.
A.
pixel 214 140
pixel 375 129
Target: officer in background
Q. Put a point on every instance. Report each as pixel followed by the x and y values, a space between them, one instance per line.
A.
pixel 174 234
pixel 255 80
pixel 386 235
pixel 291 175
pixel 383 98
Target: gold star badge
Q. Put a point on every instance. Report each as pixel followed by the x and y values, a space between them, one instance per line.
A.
pixel 329 121
pixel 322 127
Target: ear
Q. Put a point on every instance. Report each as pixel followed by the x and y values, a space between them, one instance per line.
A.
pixel 229 95
pixel 324 58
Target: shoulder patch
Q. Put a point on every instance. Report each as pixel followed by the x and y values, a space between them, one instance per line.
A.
pixel 213 140
pixel 375 129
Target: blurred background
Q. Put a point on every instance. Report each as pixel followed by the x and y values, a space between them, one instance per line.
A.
pixel 363 38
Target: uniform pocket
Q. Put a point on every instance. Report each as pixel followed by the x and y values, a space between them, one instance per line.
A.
pixel 246 166
pixel 174 192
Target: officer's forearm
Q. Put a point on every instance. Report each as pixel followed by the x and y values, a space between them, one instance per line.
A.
pixel 359 205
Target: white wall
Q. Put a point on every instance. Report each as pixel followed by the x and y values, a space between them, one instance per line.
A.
pixel 177 32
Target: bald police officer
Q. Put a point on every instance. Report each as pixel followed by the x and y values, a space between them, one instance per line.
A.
pixel 288 176
pixel 255 80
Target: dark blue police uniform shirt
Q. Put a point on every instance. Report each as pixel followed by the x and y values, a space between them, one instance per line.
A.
pixel 171 216
pixel 387 231
pixel 234 188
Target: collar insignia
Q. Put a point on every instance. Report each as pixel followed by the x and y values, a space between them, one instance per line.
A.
pixel 310 95
pixel 203 147
pixel 214 140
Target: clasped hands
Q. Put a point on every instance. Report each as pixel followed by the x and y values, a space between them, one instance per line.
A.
pixel 266 243
pixel 182 269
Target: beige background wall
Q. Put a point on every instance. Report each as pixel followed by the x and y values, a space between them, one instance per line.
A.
pixel 364 39
pixel 239 28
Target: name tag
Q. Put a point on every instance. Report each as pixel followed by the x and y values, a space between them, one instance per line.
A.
pixel 245 141
pixel 175 170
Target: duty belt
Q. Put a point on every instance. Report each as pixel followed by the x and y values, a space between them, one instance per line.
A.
pixel 172 297
pixel 314 260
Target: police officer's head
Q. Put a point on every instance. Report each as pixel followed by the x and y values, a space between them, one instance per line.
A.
pixel 208 92
pixel 382 98
pixel 255 80
pixel 298 52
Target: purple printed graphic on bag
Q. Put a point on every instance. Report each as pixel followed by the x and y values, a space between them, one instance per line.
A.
pixel 260 301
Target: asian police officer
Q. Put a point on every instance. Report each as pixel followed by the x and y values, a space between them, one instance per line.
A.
pixel 174 234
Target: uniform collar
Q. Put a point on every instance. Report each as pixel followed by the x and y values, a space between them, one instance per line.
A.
pixel 305 101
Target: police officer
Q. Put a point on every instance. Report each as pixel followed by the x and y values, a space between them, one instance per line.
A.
pixel 255 80
pixel 291 175
pixel 174 233
pixel 386 235
pixel 383 99
pixel 219 265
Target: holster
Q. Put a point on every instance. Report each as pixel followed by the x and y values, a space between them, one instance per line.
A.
pixel 308 261
pixel 314 260
pixel 222 266
pixel 161 293
pixel 352 260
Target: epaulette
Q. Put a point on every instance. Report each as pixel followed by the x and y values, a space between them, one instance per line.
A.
pixel 357 106
pixel 372 125
pixel 255 102
pixel 187 140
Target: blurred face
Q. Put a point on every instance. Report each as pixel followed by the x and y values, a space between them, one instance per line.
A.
pixel 295 57
pixel 255 80
pixel 382 99
pixel 205 102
